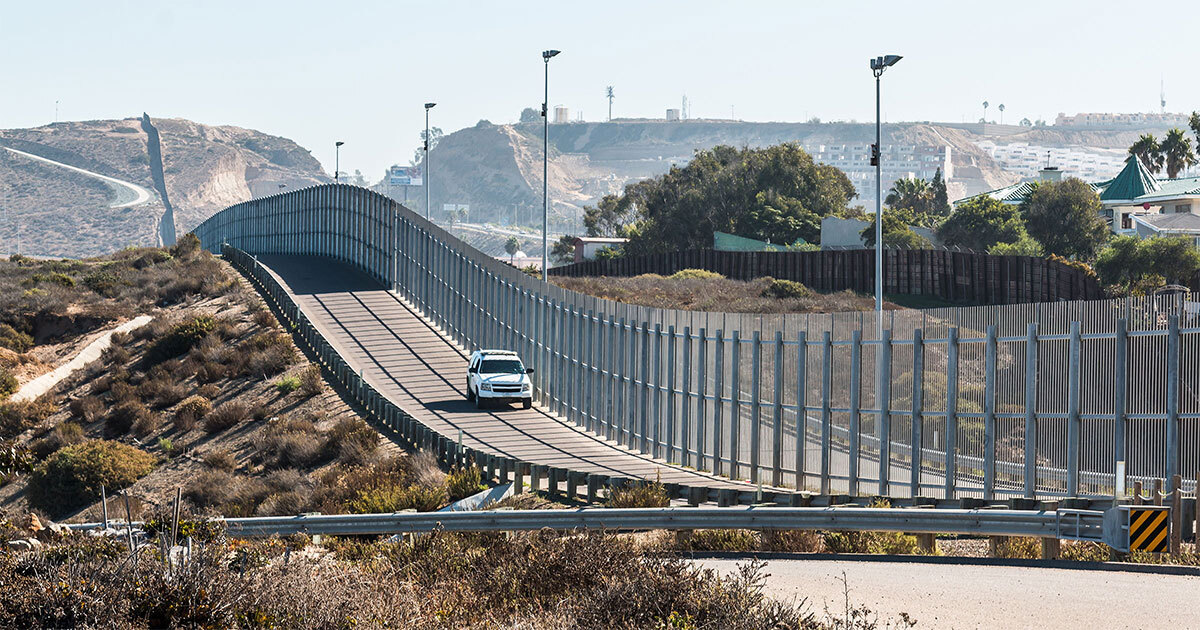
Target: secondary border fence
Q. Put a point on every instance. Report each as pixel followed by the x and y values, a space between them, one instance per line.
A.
pixel 1024 400
pixel 950 275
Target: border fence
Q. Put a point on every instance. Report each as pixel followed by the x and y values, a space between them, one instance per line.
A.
pixel 949 275
pixel 1022 400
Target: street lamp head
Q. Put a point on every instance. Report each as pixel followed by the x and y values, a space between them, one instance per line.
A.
pixel 547 54
pixel 890 60
pixel 878 64
pixel 338 143
pixel 429 105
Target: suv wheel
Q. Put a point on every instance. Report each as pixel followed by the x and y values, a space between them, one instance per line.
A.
pixel 470 394
pixel 527 403
pixel 478 402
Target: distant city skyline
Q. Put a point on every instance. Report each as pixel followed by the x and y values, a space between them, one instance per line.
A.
pixel 317 73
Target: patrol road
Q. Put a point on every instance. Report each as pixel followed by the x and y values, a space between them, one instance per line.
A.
pixel 972 596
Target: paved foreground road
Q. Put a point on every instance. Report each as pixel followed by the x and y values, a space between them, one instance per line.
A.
pixel 964 596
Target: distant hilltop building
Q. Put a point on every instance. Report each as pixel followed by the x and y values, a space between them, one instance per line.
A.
pixel 900 161
pixel 1119 120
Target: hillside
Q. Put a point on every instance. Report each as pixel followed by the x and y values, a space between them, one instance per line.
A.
pixel 60 212
pixel 497 169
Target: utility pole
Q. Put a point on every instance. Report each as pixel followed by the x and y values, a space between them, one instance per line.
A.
pixel 337 160
pixel 428 182
pixel 878 65
pixel 546 56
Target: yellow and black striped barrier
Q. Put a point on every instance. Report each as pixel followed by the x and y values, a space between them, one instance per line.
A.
pixel 1149 528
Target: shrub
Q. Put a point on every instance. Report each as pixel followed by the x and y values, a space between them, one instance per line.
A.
pixel 792 540
pixel 463 482
pixel 720 540
pixel 225 416
pixel 16 417
pixel 289 449
pixel 65 434
pixel 271 361
pixel 167 446
pixel 351 440
pixel 186 246
pixel 210 488
pixel 287 385
pixel 146 424
pixel 311 382
pixel 696 274
pixel 122 391
pixel 14 339
pixel 209 391
pixel 8 384
pixel 264 319
pixel 381 499
pixel 180 339
pixel 639 495
pixel 220 459
pixel 209 372
pixel 74 474
pixel 105 283
pixel 87 408
pixel 190 411
pixel 786 289
pixel 161 392
pixel 1018 547
pixel 122 417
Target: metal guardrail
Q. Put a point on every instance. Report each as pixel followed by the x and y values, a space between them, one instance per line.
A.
pixel 984 522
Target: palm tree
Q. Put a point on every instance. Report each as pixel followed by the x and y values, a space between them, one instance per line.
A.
pixel 511 246
pixel 985 106
pixel 1001 108
pixel 1177 152
pixel 1149 152
pixel 913 194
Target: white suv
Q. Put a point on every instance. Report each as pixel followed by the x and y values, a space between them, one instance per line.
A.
pixel 498 376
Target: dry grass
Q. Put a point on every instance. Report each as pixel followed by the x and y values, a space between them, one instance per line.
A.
pixel 716 294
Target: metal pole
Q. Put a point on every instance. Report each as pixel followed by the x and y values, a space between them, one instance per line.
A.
pixel 428 215
pixel 546 173
pixel 878 211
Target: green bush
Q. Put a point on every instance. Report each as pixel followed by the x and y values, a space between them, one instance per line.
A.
pixel 721 540
pixel 105 283
pixel 16 417
pixel 696 274
pixel 786 289
pixel 125 415
pixel 287 385
pixel 180 339
pixel 464 482
pixel 14 339
pixel 74 474
pixel 190 411
pixel 639 495
pixel 393 498
pixel 8 384
pixel 61 279
pixel 311 382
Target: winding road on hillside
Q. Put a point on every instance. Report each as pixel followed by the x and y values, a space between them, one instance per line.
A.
pixel 128 194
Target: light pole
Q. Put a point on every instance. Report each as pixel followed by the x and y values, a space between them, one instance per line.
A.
pixel 428 106
pixel 337 159
pixel 546 55
pixel 878 65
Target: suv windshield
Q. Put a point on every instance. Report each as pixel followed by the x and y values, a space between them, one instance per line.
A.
pixel 501 366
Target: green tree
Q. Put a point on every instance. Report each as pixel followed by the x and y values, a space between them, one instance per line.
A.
pixel 777 194
pixel 1065 218
pixel 1025 246
pixel 1148 151
pixel 1129 264
pixel 911 194
pixel 940 199
pixel 1177 152
pixel 562 251
pixel 896 231
pixel 511 247
pixel 981 223
pixel 1194 123
pixel 530 114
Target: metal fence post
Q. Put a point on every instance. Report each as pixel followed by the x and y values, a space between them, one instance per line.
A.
pixel 1031 395
pixel 989 416
pixel 1073 421
pixel 918 420
pixel 1172 400
pixel 951 472
pixel 685 409
pixel 777 415
pixel 701 397
pixel 655 392
pixel 826 412
pixel 670 392
pixel 755 404
pixel 718 396
pixel 735 404
pixel 855 418
pixel 1120 413
pixel 618 377
pixel 644 409
pixel 589 398
pixel 801 410
pixel 883 399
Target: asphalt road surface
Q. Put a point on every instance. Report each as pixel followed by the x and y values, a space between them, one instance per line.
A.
pixel 967 596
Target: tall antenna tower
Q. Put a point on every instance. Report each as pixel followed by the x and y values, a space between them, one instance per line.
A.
pixel 608 93
pixel 1162 95
pixel 683 108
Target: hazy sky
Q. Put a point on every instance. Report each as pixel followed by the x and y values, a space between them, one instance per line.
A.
pixel 318 72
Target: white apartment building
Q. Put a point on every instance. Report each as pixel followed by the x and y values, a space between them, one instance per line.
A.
pixel 900 161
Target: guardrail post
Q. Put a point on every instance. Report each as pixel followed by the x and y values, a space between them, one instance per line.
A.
pixel 755 404
pixel 1031 395
pixel 826 412
pixel 1073 403
pixel 552 479
pixel 777 415
pixel 951 472
pixel 918 408
pixel 536 472
pixel 801 409
pixel 883 400
pixel 735 404
pixel 593 487
pixel 670 393
pixel 685 409
pixel 855 418
pixel 989 416
pixel 1173 399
